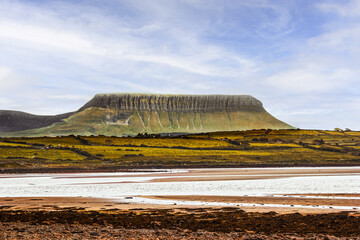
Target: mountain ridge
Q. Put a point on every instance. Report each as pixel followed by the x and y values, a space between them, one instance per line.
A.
pixel 122 114
pixel 148 102
pixel 17 120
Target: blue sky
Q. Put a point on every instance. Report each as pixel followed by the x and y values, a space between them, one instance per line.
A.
pixel 299 57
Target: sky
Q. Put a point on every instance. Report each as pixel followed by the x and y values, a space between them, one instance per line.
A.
pixel 299 57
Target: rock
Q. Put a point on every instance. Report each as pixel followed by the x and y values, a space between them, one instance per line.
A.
pixel 159 102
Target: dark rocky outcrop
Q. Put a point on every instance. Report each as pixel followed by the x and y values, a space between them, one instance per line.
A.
pixel 11 121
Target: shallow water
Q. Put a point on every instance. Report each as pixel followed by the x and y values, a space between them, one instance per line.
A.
pixel 120 185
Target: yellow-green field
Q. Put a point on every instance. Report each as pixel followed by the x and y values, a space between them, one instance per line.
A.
pixel 219 149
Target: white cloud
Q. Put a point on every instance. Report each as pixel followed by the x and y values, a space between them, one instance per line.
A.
pixel 349 9
pixel 325 63
pixel 311 79
pixel 188 54
pixel 181 46
pixel 44 37
pixel 9 79
pixel 5 101
pixel 69 97
pixel 343 40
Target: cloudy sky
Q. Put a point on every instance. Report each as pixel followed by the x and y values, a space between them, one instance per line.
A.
pixel 299 57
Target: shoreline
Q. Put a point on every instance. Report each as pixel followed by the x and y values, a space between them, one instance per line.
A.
pixel 114 169
pixel 266 203
pixel 237 217
pixel 293 199
pixel 280 205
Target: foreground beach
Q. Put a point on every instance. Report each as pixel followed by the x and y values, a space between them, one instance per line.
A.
pixel 266 203
pixel 178 223
pixel 284 190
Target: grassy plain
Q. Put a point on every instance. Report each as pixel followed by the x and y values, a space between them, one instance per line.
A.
pixel 265 148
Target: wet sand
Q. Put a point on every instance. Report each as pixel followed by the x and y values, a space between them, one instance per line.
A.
pixel 70 203
pixel 357 195
pixel 56 203
pixel 100 218
pixel 253 174
pixel 270 200
pixel 100 204
pixel 222 174
pixel 248 174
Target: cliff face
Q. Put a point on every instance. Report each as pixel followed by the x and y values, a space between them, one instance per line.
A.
pixel 176 103
pixel 130 114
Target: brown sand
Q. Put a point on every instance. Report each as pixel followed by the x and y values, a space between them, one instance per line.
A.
pixel 234 174
pixel 249 174
pixel 328 194
pixel 193 177
pixel 265 200
pixel 99 204
pixel 68 203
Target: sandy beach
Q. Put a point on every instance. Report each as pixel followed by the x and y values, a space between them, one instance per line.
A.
pixel 46 202
pixel 101 204
pixel 169 222
pixel 292 215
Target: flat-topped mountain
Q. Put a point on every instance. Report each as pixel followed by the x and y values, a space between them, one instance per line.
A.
pixel 182 103
pixel 122 114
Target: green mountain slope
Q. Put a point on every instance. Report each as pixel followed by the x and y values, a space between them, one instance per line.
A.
pixel 130 114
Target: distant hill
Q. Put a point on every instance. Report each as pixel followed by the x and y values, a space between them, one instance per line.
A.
pixel 122 114
pixel 11 121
